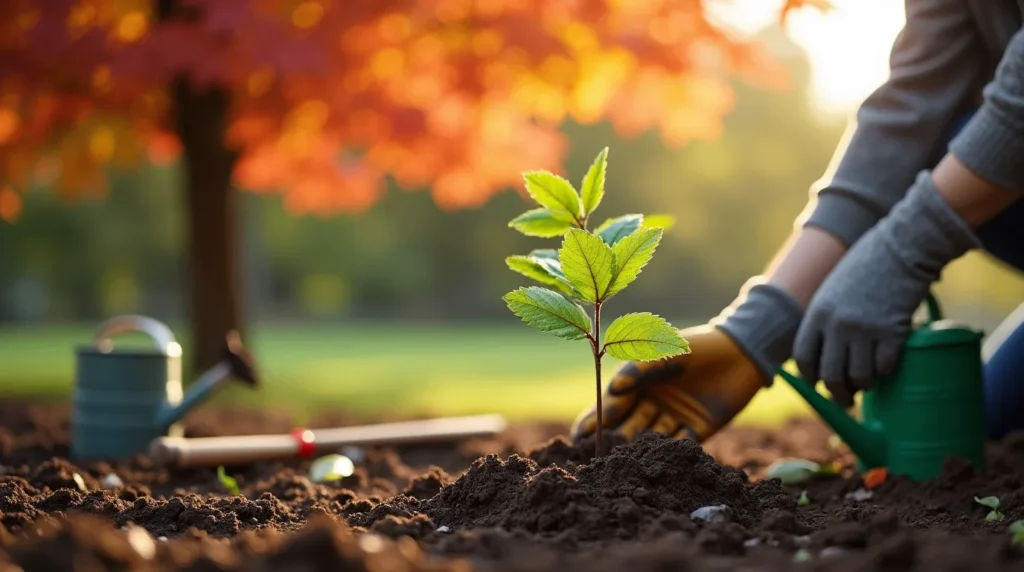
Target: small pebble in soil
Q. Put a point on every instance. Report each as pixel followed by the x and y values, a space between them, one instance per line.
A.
pixel 79 482
pixel 716 513
pixel 834 552
pixel 331 468
pixel 860 495
pixel 751 542
pixel 141 541
pixel 111 481
pixel 801 540
pixel 802 555
pixel 444 529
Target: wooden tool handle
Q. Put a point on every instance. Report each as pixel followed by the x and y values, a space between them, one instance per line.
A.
pixel 407 432
pixel 236 450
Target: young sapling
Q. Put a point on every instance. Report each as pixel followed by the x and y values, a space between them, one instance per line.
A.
pixel 228 481
pixel 589 269
pixel 992 503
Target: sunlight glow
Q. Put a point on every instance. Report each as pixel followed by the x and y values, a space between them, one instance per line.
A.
pixel 848 47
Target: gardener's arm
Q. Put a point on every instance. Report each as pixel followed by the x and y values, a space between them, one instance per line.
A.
pixel 857 321
pixel 983 173
pixel 899 130
pixel 936 66
pixel 936 63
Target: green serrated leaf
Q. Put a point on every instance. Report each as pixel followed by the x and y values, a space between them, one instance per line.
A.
pixel 588 264
pixel 643 336
pixel 540 223
pixel 548 258
pixel 592 189
pixel 615 229
pixel 543 270
pixel 553 192
pixel 631 255
pixel 549 311
pixel 662 221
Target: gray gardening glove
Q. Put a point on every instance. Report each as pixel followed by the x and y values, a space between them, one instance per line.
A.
pixel 856 324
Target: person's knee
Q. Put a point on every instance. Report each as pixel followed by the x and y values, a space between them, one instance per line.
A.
pixel 1003 354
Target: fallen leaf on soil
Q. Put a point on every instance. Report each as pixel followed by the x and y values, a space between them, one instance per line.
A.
pixel 875 477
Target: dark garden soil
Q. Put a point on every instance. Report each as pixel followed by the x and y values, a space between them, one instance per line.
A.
pixel 528 500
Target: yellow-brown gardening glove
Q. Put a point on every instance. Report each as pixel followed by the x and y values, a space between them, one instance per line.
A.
pixel 696 394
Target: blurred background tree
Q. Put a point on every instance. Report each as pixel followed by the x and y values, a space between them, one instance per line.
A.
pixel 404 259
pixel 325 101
pixel 360 294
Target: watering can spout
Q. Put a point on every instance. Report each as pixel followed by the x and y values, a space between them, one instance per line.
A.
pixel 236 364
pixel 868 443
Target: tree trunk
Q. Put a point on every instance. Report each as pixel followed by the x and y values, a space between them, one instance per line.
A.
pixel 211 210
pixel 211 206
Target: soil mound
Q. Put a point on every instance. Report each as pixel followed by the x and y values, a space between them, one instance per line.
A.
pixel 616 497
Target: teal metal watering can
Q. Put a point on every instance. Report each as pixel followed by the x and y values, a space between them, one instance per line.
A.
pixel 123 399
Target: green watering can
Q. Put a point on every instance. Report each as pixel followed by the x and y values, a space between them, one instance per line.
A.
pixel 930 408
pixel 126 398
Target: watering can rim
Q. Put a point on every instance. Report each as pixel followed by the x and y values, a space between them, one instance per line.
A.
pixel 85 349
pixel 943 332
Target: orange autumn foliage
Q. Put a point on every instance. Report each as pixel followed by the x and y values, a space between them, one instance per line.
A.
pixel 329 97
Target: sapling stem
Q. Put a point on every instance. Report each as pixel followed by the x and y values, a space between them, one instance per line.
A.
pixel 597 369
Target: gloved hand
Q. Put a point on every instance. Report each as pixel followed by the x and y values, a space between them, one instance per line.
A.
pixel 696 394
pixel 691 395
pixel 858 320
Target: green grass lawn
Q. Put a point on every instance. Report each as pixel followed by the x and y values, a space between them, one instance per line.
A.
pixel 412 369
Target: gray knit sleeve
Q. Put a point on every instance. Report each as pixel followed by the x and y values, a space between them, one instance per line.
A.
pixel 992 143
pixel 936 63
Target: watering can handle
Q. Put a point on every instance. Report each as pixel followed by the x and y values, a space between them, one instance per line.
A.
pixel 934 310
pixel 161 335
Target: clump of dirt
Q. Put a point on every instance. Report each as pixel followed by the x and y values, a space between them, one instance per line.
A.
pixel 615 497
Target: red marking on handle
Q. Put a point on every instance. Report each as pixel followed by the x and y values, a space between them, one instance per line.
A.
pixel 306 441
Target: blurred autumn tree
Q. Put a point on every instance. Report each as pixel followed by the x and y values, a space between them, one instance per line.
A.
pixel 321 100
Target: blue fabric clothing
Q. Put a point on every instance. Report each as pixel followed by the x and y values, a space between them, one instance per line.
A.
pixel 1003 238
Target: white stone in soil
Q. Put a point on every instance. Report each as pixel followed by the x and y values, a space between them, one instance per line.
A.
pixel 111 481
pixel 860 495
pixel 834 552
pixel 141 541
pixel 714 513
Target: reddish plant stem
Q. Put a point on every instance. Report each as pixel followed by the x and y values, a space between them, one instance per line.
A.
pixel 597 370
